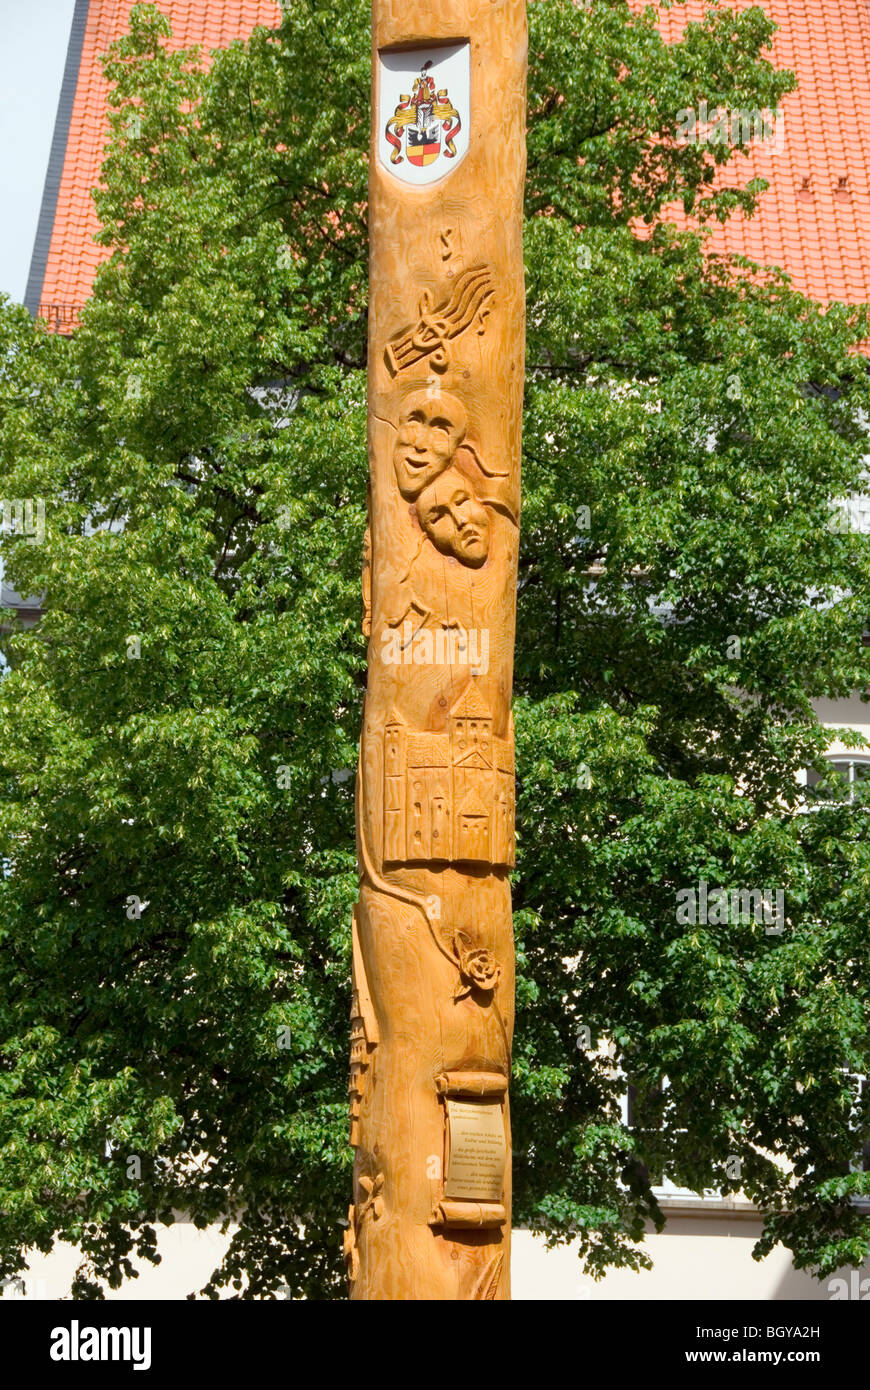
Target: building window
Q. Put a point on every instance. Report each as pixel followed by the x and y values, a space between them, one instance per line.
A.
pixel 861 1163
pixel 841 783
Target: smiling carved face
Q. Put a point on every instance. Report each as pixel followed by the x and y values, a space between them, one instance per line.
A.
pixel 430 431
pixel 454 519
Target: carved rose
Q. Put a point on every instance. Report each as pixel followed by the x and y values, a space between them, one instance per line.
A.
pixel 477 966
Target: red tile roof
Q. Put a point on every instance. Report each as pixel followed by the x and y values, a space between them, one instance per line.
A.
pixel 72 256
pixel 814 221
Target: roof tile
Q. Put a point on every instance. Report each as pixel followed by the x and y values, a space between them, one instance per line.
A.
pixel 73 258
pixel 821 236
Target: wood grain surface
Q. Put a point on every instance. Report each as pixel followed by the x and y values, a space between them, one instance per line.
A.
pixel 433 1000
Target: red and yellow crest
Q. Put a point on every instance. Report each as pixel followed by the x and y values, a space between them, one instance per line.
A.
pixel 426 122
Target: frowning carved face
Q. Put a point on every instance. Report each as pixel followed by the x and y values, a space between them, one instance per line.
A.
pixel 430 431
pixel 455 521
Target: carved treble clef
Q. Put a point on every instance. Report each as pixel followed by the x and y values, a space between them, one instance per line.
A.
pixel 437 325
pixel 432 334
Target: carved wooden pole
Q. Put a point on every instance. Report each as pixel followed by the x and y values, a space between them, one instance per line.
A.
pixel 433 1000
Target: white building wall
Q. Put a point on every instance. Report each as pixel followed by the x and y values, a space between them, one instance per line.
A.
pixel 699 1256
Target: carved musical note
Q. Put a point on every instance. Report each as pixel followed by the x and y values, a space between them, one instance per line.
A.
pixel 439 324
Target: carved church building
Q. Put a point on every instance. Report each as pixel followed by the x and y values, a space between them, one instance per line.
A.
pixel 449 796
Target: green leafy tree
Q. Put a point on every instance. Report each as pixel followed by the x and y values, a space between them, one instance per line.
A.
pixel 176 793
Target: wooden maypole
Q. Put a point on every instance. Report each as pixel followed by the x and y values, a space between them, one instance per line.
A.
pixel 433 994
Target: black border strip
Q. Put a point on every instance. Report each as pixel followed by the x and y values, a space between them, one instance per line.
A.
pixel 56 159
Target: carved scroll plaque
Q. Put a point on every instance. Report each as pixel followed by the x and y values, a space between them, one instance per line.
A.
pixel 433 1002
pixel 477 1152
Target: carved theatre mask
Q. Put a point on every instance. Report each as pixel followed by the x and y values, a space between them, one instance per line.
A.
pixel 454 518
pixel 431 429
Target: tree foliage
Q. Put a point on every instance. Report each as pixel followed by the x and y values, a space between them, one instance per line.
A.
pixel 176 804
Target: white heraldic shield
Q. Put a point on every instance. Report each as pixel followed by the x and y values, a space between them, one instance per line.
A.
pixel 424 101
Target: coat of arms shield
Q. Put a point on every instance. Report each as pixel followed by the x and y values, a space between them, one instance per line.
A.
pixel 424 111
